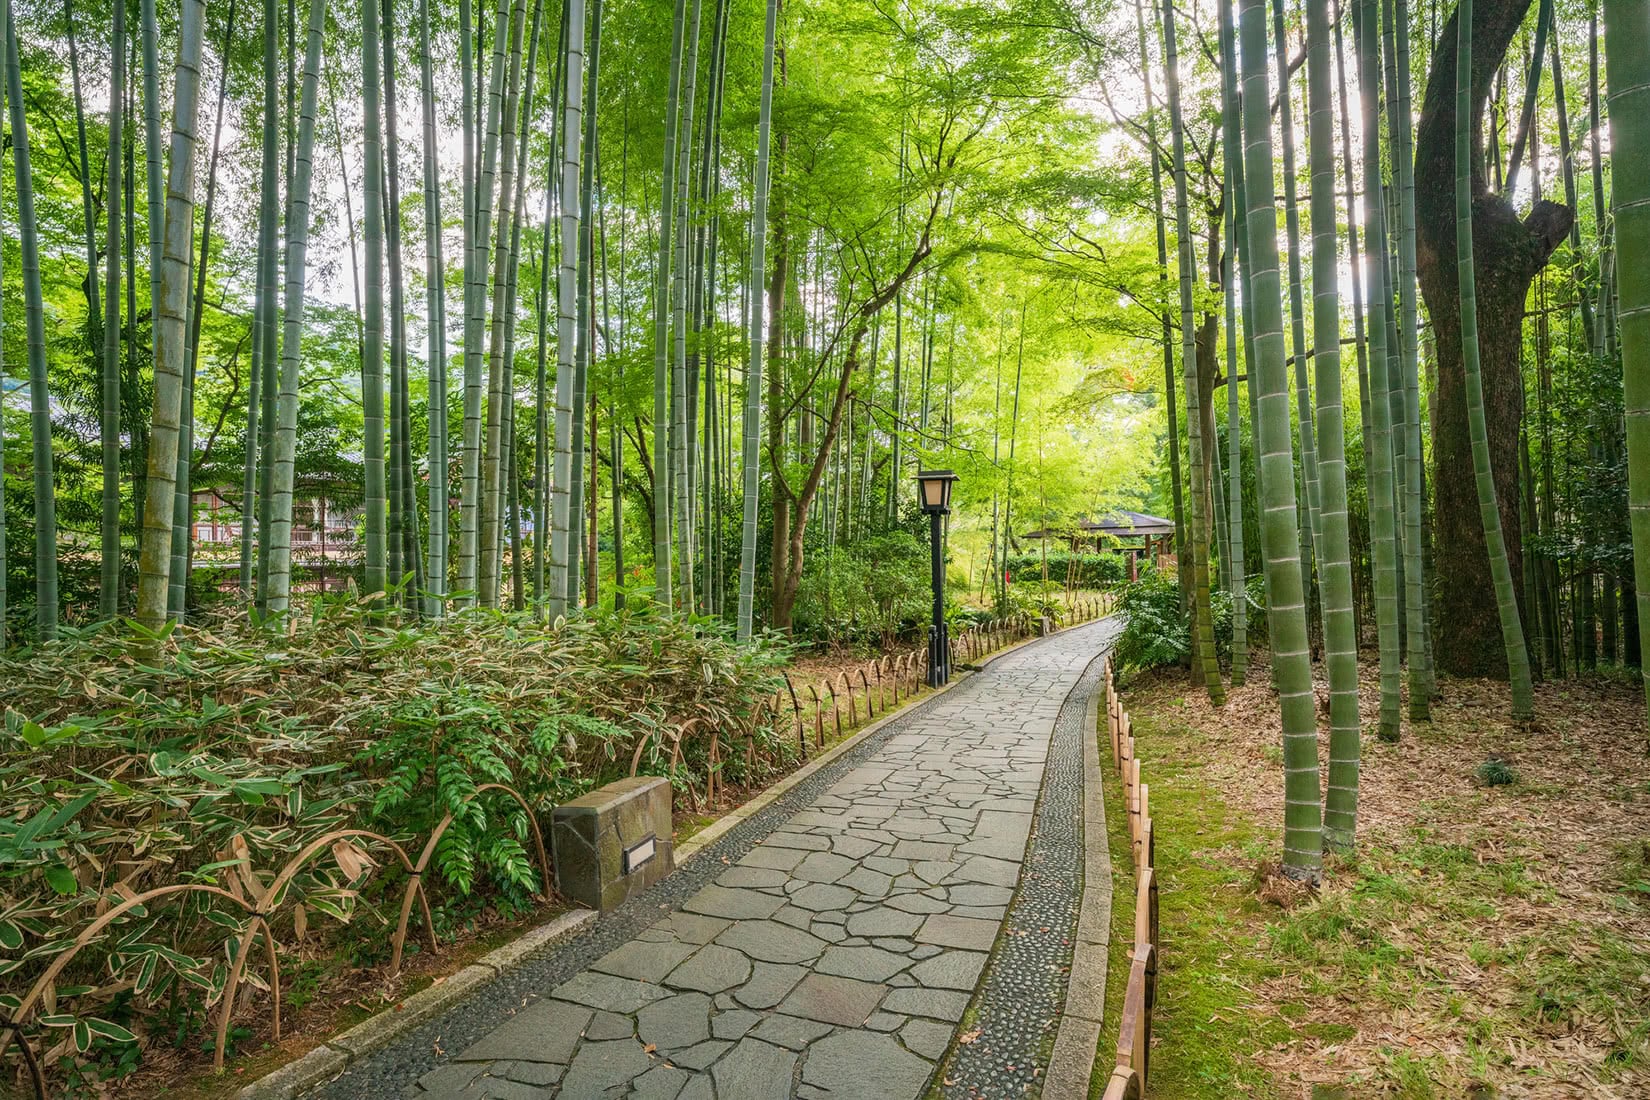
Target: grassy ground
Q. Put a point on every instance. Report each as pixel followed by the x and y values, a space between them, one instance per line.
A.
pixel 1484 941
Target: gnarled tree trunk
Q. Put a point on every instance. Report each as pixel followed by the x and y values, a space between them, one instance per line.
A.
pixel 1509 252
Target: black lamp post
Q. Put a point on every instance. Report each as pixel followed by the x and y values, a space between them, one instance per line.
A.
pixel 936 501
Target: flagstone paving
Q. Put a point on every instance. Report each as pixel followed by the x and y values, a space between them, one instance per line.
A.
pixel 833 957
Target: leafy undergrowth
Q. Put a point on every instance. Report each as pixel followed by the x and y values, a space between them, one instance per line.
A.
pixel 239 753
pixel 1485 940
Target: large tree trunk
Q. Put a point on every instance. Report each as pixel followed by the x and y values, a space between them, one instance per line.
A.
pixel 1509 253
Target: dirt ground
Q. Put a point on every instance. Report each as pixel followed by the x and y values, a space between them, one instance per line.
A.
pixel 1484 940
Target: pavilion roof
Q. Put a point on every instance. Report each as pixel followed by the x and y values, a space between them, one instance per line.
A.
pixel 1120 524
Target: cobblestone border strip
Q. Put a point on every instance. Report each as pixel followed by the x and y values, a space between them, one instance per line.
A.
pixel 1009 1029
pixel 1072 1064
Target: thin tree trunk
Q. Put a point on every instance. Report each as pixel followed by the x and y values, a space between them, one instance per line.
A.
pixel 109 425
pixel 1382 522
pixel 1232 151
pixel 1176 491
pixel 372 360
pixel 435 271
pixel 1197 514
pixel 284 440
pixel 1334 561
pixel 1291 654
pixel 87 205
pixel 500 368
pixel 1310 525
pixel 154 563
pixel 183 506
pixel 254 533
pixel 584 349
pixel 1512 630
pixel 751 456
pixel 662 580
pixel 562 519
pixel 471 548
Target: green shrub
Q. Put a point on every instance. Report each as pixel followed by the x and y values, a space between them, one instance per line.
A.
pixel 1156 632
pixel 874 591
pixel 1090 571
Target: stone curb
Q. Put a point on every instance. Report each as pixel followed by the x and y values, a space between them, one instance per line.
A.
pixel 1072 1062
pixel 336 1054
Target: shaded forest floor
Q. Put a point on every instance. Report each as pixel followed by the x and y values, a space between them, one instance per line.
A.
pixel 1484 941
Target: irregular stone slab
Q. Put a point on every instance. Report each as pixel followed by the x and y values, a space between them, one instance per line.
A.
pixel 768 985
pixel 675 1022
pixel 610 1025
pixel 975 893
pixel 853 847
pixel 884 922
pixel 1001 834
pixel 773 857
pixel 691 927
pixel 796 918
pixel 992 872
pixel 832 1000
pixel 529 1073
pixel 917 903
pixel 735 904
pixel 808 842
pixel 448 1079
pixel 734 1024
pixel 866 964
pixel 994 914
pixel 643 961
pixel 936 1003
pixel 823 867
pixel 712 970
pixel 697 1088
pixel 754 1070
pixel 754 878
pixel 544 1032
pixel 867 882
pixel 887 865
pixel 659 1083
pixel 921 849
pixel 621 995
pixel 701 1056
pixel 499 1088
pixel 601 1066
pixel 931 871
pixel 862 1064
pixel 820 896
pixel 791 1032
pixel 770 941
pixel 950 970
pixel 948 930
pixel 926 1038
pixel 830 933
pixel 885 1021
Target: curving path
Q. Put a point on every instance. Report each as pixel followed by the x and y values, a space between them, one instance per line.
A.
pixel 830 946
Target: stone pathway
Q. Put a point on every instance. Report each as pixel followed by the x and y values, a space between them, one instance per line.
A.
pixel 834 957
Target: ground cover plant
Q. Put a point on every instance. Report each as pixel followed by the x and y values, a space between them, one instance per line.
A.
pixel 238 749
